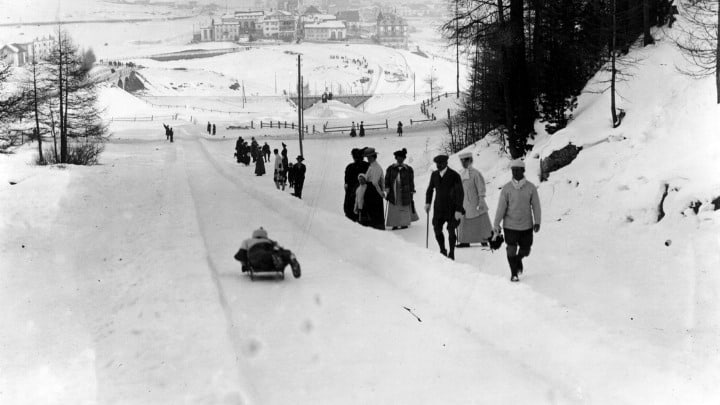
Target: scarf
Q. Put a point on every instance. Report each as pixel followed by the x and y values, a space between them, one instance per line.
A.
pixel 518 184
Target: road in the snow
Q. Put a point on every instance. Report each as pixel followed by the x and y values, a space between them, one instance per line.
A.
pixel 339 334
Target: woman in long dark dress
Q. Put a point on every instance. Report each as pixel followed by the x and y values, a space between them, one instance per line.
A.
pixel 375 193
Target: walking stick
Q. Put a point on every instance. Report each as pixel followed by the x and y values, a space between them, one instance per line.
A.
pixel 427 228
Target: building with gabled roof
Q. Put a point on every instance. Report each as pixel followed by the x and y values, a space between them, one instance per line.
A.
pixel 392 30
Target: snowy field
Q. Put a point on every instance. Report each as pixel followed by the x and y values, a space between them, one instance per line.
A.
pixel 120 286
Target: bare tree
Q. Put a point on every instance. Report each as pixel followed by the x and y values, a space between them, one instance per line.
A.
pixel 698 39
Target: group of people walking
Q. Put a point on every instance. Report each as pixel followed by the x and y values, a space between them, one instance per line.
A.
pixel 169 133
pixel 367 185
pixel 460 207
pixel 286 172
pixel 211 130
pixel 457 201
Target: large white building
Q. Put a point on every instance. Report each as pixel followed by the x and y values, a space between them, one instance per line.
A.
pixel 326 31
pixel 280 24
pixel 19 54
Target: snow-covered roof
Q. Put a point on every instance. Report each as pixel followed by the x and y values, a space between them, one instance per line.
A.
pixel 327 24
pixel 11 47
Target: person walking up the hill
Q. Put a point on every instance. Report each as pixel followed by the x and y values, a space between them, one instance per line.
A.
pixel 475 225
pixel 172 134
pixel 285 166
pixel 399 128
pixel 209 128
pixel 278 173
pixel 353 133
pixel 213 129
pixel 400 186
pixel 299 176
pixel 259 167
pixel 358 166
pixel 448 207
pixel 362 129
pixel 375 193
pixel 519 211
pixel 266 152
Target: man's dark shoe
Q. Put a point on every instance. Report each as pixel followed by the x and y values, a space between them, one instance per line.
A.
pixel 451 255
pixel 462 245
pixel 443 252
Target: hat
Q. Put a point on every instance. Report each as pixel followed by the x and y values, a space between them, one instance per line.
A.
pixel 440 158
pixel 402 152
pixel 465 155
pixel 300 158
pixel 369 152
pixel 517 163
pixel 259 233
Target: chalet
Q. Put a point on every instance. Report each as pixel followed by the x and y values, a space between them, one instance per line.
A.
pixel 392 30
pixel 351 18
pixel 13 55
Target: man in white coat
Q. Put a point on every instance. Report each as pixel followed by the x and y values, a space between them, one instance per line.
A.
pixel 475 225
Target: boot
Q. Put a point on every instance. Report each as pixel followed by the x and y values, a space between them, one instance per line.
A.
pixel 451 255
pixel 443 252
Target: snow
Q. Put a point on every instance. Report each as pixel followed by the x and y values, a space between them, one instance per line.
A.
pixel 121 286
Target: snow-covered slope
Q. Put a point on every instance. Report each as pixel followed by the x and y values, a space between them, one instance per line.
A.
pixel 122 288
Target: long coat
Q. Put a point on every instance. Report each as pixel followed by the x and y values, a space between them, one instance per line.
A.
pixel 449 198
pixel 351 181
pixel 474 198
pixel 407 184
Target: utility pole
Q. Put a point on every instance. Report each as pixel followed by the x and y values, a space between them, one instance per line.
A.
pixel 457 49
pixel 243 93
pixel 413 86
pixel 300 104
pixel 275 82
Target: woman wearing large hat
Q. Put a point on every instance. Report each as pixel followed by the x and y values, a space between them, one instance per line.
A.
pixel 400 186
pixel 475 226
pixel 375 192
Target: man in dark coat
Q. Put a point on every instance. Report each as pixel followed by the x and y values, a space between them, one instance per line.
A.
pixel 362 128
pixel 254 149
pixel 239 149
pixel 448 203
pixel 266 152
pixel 213 129
pixel 209 127
pixel 352 171
pixel 299 176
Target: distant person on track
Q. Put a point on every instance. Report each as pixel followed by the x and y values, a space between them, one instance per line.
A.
pixel 285 165
pixel 213 129
pixel 278 174
pixel 299 170
pixel 263 253
pixel 519 211
pixel 353 133
pixel 362 129
pixel 399 128
pixel 172 135
pixel 254 149
pixel 167 132
pixel 209 128
pixel 475 226
pixel 259 167
pixel 400 186
pixel 358 166
pixel 266 152
pixel 375 192
pixel 448 207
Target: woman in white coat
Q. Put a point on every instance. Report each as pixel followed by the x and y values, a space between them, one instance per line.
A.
pixel 475 226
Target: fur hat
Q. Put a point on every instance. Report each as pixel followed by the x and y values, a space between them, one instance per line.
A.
pixel 465 155
pixel 300 158
pixel 260 233
pixel 402 153
pixel 517 163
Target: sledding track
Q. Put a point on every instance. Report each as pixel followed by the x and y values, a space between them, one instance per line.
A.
pixel 280 329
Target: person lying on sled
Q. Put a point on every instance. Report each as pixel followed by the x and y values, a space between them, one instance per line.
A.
pixel 265 254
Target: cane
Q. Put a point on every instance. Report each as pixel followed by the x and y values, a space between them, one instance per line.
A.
pixel 427 228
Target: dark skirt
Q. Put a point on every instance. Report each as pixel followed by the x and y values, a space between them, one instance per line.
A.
pixel 374 208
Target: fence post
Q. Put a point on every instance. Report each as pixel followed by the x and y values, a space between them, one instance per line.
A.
pixel 410 121
pixel 313 128
pixel 386 124
pixel 152 118
pixel 292 125
pixel 251 125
